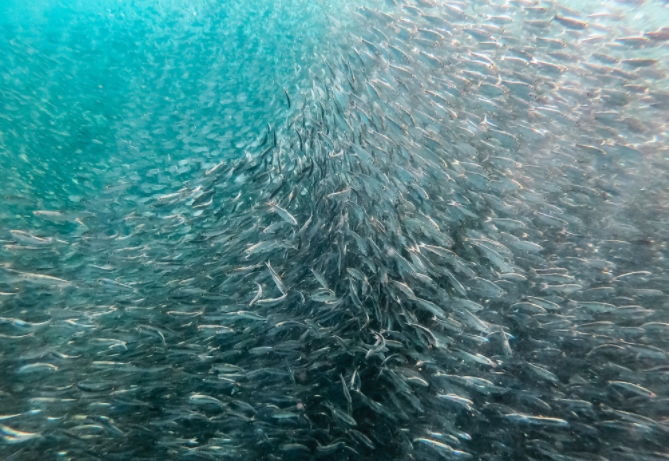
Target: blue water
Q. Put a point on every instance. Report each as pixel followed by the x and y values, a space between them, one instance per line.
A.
pixel 111 80
pixel 333 230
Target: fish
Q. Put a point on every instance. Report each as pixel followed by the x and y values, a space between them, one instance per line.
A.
pixel 30 239
pixel 13 436
pixel 570 23
pixel 284 214
pixel 340 230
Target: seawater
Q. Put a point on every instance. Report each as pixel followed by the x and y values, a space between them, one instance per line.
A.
pixel 333 230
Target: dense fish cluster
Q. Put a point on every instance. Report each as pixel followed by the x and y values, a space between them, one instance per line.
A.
pixel 349 230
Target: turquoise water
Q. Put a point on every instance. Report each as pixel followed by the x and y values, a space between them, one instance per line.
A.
pixel 333 230
pixel 113 79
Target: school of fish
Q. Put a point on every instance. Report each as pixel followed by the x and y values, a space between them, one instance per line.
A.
pixel 335 230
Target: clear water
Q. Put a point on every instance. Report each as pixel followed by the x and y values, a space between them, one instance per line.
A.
pixel 333 230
